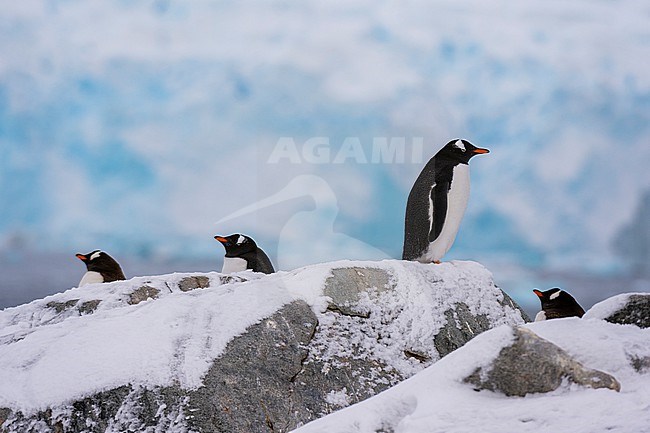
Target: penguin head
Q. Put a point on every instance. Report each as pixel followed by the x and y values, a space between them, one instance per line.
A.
pixel 460 151
pixel 237 245
pixel 557 299
pixel 99 261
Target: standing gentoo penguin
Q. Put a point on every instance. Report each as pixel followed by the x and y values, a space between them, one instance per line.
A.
pixel 243 253
pixel 557 303
pixel 437 202
pixel 102 268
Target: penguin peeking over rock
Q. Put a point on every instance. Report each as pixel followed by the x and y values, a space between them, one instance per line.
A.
pixel 243 253
pixel 557 303
pixel 437 202
pixel 101 268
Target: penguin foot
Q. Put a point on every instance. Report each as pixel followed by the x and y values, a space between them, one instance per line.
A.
pixel 437 262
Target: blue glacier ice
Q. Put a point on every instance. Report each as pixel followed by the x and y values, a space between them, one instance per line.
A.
pixel 135 126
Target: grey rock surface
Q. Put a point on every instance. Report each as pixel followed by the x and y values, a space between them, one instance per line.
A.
pixel 89 307
pixel 143 293
pixel 345 286
pixel 635 312
pixel 98 410
pixel 532 365
pixel 282 388
pixel 257 377
pixel 462 325
pixel 60 307
pixel 194 282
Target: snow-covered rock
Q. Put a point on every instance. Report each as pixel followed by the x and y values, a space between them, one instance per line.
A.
pixel 240 353
pixel 624 309
pixel 438 399
pixel 533 365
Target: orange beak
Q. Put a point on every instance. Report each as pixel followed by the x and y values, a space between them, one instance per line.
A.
pixel 480 150
pixel 221 239
pixel 538 293
pixel 81 257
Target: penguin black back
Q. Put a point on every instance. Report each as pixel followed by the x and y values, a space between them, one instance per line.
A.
pixel 243 253
pixel 101 268
pixel 433 205
pixel 557 303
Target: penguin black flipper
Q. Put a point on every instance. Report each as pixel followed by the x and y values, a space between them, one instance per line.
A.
pixel 258 261
pixel 416 236
pixel 262 263
pixel 439 194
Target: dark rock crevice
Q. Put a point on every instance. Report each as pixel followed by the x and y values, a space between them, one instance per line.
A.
pixel 636 311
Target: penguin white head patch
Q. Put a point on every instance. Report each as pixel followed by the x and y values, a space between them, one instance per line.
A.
pixel 459 144
pixel 555 295
pixel 240 240
pixel 95 255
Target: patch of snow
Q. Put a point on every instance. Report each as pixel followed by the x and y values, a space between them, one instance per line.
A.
pixel 338 398
pixel 128 417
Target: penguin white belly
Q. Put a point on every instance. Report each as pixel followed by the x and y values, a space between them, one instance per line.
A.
pixel 233 264
pixel 540 316
pixel 457 198
pixel 91 277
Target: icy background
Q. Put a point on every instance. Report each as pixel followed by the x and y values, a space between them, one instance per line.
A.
pixel 134 126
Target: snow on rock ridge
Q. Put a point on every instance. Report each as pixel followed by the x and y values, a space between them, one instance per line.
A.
pixel 101 337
